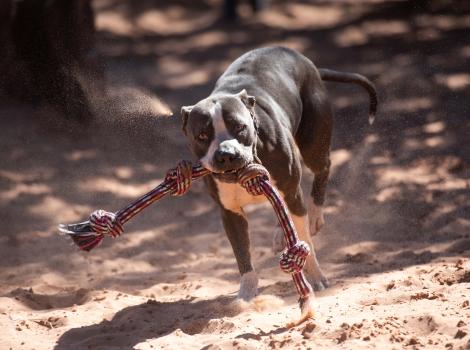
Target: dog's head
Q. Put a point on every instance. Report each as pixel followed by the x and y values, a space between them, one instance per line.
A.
pixel 222 131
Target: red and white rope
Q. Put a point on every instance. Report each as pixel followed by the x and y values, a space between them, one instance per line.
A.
pixel 254 178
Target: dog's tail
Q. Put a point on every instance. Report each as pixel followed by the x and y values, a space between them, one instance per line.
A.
pixel 340 77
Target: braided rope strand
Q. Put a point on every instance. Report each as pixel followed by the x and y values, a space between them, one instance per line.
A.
pixel 254 178
pixel 171 185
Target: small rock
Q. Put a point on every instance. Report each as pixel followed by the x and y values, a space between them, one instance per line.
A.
pixel 307 332
pixel 249 336
pixel 211 347
pixel 342 337
pixel 460 334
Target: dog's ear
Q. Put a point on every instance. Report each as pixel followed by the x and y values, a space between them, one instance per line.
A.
pixel 185 110
pixel 248 100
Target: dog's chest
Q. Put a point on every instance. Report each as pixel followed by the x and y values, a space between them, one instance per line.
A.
pixel 233 196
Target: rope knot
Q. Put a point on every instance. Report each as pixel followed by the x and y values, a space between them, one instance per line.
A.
pixel 293 259
pixel 182 176
pixel 104 222
pixel 251 176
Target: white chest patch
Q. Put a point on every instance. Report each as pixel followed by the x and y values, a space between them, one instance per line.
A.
pixel 234 197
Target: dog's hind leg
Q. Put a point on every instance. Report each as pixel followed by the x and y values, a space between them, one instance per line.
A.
pixel 317 198
pixel 236 228
pixel 313 139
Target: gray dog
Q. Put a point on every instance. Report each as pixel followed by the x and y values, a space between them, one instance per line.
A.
pixel 270 106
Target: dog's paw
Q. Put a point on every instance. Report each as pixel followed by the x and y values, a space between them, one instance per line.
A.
pixel 278 242
pixel 248 286
pixel 318 281
pixel 317 220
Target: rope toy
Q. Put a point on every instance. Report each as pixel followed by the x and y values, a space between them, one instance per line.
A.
pixel 254 178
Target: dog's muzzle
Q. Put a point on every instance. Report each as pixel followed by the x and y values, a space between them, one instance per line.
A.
pixel 228 160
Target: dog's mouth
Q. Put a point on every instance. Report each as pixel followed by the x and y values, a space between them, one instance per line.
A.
pixel 232 171
pixel 230 175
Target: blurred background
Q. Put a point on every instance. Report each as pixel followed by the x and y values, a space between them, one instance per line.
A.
pixel 90 93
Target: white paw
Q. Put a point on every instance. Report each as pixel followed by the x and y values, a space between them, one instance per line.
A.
pixel 316 217
pixel 248 286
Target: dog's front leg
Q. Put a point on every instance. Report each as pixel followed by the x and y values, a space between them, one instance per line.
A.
pixel 236 228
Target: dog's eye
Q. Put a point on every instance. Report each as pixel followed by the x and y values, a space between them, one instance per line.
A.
pixel 240 127
pixel 202 136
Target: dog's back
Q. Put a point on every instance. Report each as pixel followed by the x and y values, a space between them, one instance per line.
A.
pixel 277 76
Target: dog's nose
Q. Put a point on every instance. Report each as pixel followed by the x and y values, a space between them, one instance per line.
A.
pixel 225 157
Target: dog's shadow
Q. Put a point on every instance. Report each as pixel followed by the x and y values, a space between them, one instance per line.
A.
pixel 152 319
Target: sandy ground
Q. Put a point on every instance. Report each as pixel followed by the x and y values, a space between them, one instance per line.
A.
pixel 396 246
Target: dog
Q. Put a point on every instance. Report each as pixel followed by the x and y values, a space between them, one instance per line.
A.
pixel 270 106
